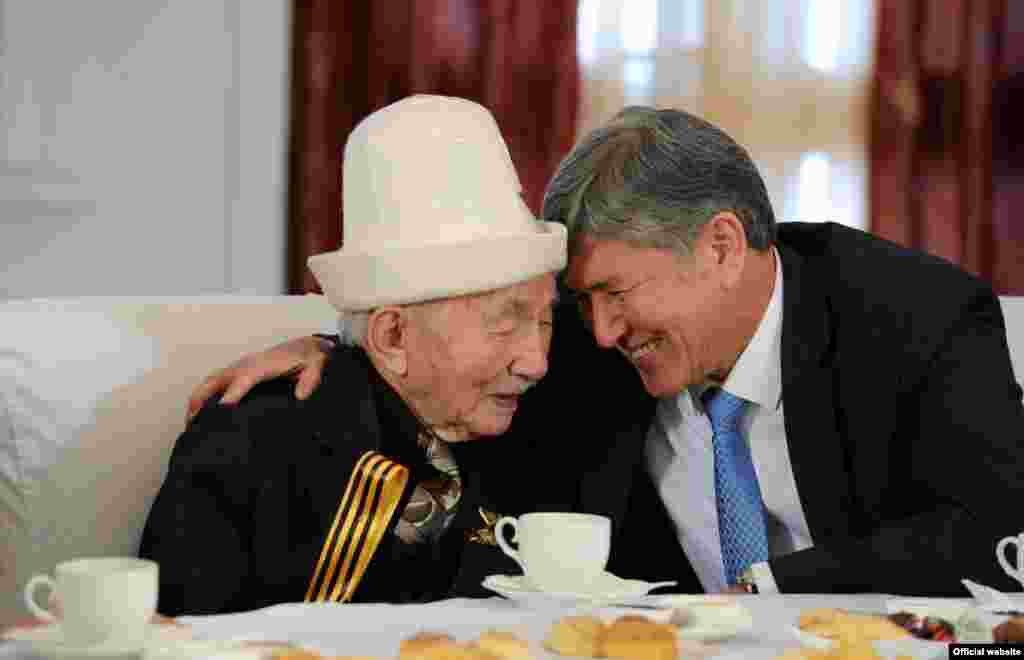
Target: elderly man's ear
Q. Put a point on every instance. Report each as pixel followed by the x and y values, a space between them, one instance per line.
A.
pixel 387 339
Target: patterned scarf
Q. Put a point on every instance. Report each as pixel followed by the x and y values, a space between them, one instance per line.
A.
pixel 432 505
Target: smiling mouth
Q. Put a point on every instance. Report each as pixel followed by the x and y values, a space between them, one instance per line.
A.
pixel 643 349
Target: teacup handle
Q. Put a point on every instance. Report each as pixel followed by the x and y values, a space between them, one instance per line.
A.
pixel 1016 572
pixel 499 534
pixel 30 601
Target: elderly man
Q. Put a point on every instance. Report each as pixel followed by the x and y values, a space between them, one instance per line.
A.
pixel 830 412
pixel 360 492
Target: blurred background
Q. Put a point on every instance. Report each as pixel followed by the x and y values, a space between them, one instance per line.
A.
pixel 159 147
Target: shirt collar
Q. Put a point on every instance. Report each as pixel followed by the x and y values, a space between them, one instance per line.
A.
pixel 757 374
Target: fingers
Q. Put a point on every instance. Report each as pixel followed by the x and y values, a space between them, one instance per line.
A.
pixel 304 356
pixel 240 386
pixel 192 409
pixel 234 381
pixel 215 382
pixel 308 380
pixel 311 366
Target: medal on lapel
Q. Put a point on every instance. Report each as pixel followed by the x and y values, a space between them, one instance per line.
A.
pixel 485 534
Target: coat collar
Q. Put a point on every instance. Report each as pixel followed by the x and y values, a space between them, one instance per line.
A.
pixel 355 408
pixel 342 409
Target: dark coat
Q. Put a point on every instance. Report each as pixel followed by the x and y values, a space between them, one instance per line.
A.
pixel 903 420
pixel 252 490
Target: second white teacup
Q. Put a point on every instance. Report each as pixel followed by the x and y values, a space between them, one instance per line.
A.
pixel 558 551
pixel 1014 569
pixel 107 601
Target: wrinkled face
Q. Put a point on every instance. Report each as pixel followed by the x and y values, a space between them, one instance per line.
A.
pixel 659 309
pixel 472 357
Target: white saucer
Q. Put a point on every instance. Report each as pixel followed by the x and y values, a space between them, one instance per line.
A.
pixel 919 649
pixel 712 617
pixel 709 618
pixel 698 618
pixel 48 642
pixel 606 588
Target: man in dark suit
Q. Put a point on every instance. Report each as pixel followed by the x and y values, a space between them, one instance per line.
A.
pixel 870 386
pixel 809 408
pixel 363 491
pixel 901 427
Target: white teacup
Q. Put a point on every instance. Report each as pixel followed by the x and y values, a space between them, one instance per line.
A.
pixel 106 601
pixel 558 551
pixel 1016 569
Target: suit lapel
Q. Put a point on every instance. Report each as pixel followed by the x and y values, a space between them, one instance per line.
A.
pixel 362 491
pixel 607 482
pixel 815 447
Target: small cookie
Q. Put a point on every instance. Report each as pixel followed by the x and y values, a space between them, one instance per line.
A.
pixel 818 618
pixel 841 625
pixel 639 638
pixel 576 635
pixel 291 653
pixel 857 651
pixel 419 644
pixel 439 646
pixel 504 645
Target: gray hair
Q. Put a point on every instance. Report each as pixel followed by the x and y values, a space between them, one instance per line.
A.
pixel 352 328
pixel 654 178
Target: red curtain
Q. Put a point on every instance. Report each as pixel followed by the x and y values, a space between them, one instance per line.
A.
pixel 351 58
pixel 947 161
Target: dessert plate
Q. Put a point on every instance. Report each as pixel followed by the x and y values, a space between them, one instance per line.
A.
pixel 709 618
pixel 698 618
pixel 606 589
pixel 918 649
pixel 48 642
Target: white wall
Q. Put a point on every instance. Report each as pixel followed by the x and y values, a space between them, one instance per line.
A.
pixel 145 146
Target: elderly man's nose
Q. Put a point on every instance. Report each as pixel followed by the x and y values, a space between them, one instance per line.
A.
pixel 605 324
pixel 531 360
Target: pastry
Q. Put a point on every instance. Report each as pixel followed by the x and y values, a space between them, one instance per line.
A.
pixel 504 645
pixel 576 635
pixel 439 646
pixel 420 645
pixel 295 654
pixel 855 651
pixel 836 624
pixel 302 654
pixel 639 638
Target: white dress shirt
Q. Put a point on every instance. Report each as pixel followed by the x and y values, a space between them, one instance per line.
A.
pixel 680 461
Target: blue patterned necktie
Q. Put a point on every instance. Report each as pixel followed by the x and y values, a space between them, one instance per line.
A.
pixel 741 525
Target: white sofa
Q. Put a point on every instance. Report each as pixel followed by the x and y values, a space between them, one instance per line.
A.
pixel 92 397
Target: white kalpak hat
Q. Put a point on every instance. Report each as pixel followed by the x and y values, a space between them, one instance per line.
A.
pixel 432 210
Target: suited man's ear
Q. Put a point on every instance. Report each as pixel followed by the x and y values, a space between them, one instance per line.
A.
pixel 727 242
pixel 387 339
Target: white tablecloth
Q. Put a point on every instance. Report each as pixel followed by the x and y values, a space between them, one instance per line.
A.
pixel 377 629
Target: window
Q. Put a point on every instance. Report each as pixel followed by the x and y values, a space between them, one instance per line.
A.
pixel 788 79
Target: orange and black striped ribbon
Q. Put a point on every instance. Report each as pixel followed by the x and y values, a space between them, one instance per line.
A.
pixel 367 507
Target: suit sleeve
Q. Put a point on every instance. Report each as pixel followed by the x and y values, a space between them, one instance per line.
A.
pixel 966 424
pixel 199 528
